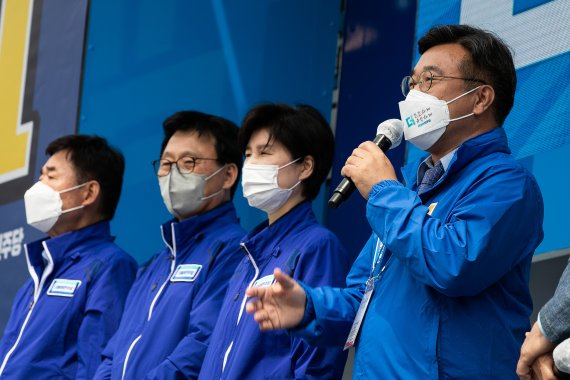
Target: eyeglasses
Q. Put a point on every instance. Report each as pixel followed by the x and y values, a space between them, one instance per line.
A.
pixel 185 165
pixel 425 81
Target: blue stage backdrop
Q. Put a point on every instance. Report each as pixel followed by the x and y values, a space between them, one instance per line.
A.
pixel 539 34
pixel 377 53
pixel 41 48
pixel 146 60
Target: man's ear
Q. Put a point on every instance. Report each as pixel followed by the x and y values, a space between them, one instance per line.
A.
pixel 308 165
pixel 484 98
pixel 91 193
pixel 230 176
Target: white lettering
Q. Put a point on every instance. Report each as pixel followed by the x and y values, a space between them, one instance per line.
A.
pixel 11 243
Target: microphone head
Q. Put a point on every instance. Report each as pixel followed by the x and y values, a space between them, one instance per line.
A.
pixel 393 129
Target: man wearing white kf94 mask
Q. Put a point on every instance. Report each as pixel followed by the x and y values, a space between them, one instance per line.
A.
pixel 288 154
pixel 174 303
pixel 64 315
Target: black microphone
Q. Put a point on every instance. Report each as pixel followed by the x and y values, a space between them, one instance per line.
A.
pixel 388 135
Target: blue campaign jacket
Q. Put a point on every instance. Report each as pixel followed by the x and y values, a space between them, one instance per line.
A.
pixel 57 329
pixel 453 301
pixel 175 300
pixel 301 247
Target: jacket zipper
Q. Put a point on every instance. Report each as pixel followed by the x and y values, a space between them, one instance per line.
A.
pixel 153 303
pixel 242 306
pixel 38 287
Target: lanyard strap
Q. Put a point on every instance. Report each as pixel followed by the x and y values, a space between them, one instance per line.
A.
pixel 378 254
pixel 379 259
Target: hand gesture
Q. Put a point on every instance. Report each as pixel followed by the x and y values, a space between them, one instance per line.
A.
pixel 279 306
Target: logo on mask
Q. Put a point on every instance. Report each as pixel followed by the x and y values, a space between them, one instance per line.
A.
pixel 420 118
pixel 427 117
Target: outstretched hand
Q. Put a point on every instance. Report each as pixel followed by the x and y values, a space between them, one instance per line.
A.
pixel 279 306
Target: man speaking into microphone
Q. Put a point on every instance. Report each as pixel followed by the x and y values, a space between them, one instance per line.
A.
pixel 440 290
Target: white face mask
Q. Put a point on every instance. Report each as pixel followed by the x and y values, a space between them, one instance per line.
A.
pixel 426 117
pixel 184 193
pixel 259 184
pixel 44 206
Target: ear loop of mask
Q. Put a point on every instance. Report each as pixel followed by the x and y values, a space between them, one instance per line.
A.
pixel 284 166
pixel 290 163
pixel 71 189
pixel 211 176
pixel 460 96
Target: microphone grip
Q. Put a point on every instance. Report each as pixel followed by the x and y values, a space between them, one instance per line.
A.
pixel 346 187
pixel 342 192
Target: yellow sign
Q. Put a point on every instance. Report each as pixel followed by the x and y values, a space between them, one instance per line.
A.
pixel 15 135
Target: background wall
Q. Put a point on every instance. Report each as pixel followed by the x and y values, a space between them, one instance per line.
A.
pixel 145 61
pixel 377 54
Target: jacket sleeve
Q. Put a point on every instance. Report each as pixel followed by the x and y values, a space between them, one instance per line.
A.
pixel 324 263
pixel 106 367
pixel 494 226
pixel 554 317
pixel 186 359
pixel 334 309
pixel 104 306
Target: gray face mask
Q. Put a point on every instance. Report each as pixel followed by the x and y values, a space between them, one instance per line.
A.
pixel 184 193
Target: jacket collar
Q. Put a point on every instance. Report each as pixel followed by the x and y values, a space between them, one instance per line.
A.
pixel 69 245
pixel 179 234
pixel 268 237
pixel 493 141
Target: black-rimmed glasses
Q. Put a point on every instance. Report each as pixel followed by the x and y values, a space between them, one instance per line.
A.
pixel 185 165
pixel 425 81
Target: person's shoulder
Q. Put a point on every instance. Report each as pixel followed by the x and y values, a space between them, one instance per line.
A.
pixel 231 231
pixel 224 236
pixel 501 165
pixel 498 166
pixel 111 254
pixel 315 235
pixel 321 232
pixel 152 261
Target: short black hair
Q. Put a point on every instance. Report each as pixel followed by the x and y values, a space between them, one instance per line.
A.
pixel 94 159
pixel 301 129
pixel 491 60
pixel 223 131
